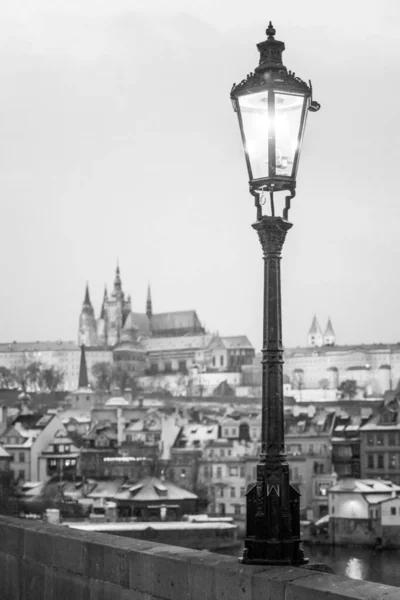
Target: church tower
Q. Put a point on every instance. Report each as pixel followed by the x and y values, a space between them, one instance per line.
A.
pixel 102 322
pixel 329 334
pixel 149 304
pixel 116 310
pixel 315 334
pixel 87 322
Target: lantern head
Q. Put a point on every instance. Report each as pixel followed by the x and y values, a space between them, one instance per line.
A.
pixel 272 105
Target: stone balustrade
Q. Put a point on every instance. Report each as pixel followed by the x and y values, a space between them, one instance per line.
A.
pixel 52 562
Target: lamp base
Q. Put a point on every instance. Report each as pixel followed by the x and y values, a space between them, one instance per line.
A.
pixel 271 552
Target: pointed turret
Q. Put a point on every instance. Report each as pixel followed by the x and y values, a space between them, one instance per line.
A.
pixel 83 381
pixel 315 333
pixel 149 304
pixel 103 306
pixel 329 334
pixel 86 301
pixel 117 281
pixel 87 323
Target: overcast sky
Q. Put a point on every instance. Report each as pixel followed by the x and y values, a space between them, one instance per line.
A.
pixel 118 139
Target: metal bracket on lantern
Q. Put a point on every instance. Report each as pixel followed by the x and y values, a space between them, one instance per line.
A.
pixel 260 198
pixel 287 203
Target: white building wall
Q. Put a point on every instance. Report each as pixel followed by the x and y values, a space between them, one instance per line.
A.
pixel 348 505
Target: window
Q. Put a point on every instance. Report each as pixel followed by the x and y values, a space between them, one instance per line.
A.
pixel 311 448
pixel 221 361
pixel 242 472
pixel 380 439
pixel 221 492
pixel 237 509
pixel 233 471
pixel 183 473
pixel 22 457
pixel 242 491
pixel 393 510
pixel 222 453
pixel 392 461
pixel 370 461
pixel 21 474
pixel 233 492
pixel 206 472
pixel 213 361
pixel 380 461
pixel 128 437
pixel 392 438
pixel 219 471
pixel 226 432
pixel 370 439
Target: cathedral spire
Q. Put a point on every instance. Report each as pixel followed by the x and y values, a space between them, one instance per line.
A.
pixel 83 381
pixel 86 301
pixel 315 333
pixel 117 280
pixel 329 335
pixel 149 304
pixel 103 308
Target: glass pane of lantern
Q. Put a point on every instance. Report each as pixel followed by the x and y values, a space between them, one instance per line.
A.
pixel 254 113
pixel 288 112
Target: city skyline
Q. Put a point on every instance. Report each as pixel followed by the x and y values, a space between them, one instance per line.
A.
pixel 95 165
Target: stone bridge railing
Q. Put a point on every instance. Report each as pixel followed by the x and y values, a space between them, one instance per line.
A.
pixel 51 562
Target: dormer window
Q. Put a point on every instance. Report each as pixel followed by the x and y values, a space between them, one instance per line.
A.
pixel 389 417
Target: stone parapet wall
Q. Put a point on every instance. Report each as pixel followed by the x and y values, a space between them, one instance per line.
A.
pixel 51 562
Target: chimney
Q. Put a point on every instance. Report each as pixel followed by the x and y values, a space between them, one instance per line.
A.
pixel 3 414
pixel 120 427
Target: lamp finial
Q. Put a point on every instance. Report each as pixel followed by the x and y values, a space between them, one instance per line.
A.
pixel 270 31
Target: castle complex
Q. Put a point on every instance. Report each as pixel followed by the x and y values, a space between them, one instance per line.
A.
pixel 324 363
pixel 117 322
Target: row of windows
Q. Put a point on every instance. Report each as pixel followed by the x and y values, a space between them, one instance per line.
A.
pixel 382 438
pixel 377 461
pixel 20 456
pixel 66 463
pixel 232 471
pixel 220 492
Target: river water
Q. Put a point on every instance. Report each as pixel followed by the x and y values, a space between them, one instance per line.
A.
pixel 357 563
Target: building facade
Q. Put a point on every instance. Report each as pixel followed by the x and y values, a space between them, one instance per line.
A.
pixel 325 364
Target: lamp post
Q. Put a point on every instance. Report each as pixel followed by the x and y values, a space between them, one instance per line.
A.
pixel 272 105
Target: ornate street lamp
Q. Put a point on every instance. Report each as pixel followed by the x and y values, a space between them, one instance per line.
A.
pixel 272 106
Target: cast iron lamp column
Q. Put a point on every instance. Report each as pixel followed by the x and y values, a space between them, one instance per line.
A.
pixel 272 104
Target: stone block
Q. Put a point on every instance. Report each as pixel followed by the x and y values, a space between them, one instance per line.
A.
pixel 11 539
pixel 233 581
pixel 10 579
pixel 69 554
pixel 330 587
pixel 271 582
pixel 38 546
pixel 94 567
pixel 115 566
pixel 69 586
pixel 140 566
pixel 161 571
pixel 33 580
